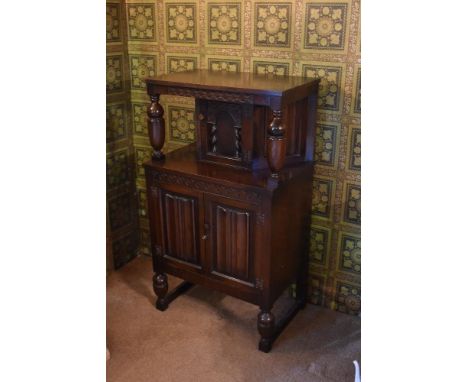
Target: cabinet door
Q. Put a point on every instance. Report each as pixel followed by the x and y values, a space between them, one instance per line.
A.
pixel 180 215
pixel 232 239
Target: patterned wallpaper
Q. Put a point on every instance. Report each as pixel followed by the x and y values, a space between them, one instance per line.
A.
pixel 121 190
pixel 294 37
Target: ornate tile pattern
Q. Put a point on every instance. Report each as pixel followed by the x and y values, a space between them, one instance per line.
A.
pixel 141 22
pixel 141 67
pixel 181 23
pixel 325 144
pixel 270 67
pixel 316 285
pixel 119 211
pixel 113 22
pixel 329 87
pixel 319 244
pixel 224 64
pixel 350 253
pixel 352 206
pixel 142 154
pixel 225 23
pixel 117 169
pixel 115 122
pixel 140 124
pixel 142 203
pixel 181 63
pixel 355 150
pixel 321 197
pixel 121 198
pixel 325 26
pixel 145 242
pixel 269 37
pixel 182 123
pixel 357 97
pixel 124 249
pixel 114 80
pixel 273 26
pixel 348 298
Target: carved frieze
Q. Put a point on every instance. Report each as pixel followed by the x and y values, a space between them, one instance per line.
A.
pixel 211 95
pixel 230 192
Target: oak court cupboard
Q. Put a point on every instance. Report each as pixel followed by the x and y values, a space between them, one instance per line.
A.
pixel 231 211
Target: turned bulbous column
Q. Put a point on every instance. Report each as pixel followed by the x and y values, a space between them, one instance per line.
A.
pixel 276 144
pixel 156 127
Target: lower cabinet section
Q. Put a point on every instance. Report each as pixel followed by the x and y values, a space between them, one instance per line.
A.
pixel 209 233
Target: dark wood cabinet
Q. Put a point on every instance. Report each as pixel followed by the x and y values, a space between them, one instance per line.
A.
pixel 232 210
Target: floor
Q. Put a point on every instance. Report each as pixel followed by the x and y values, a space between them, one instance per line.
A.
pixel 207 336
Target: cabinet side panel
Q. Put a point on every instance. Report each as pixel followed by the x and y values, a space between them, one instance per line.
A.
pixel 296 120
pixel 291 216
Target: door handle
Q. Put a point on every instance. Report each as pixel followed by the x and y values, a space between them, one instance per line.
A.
pixel 207 228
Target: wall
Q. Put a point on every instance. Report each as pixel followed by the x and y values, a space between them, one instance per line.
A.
pixel 122 219
pixel 315 39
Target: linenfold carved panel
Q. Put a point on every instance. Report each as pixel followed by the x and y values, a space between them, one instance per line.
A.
pixel 181 227
pixel 232 250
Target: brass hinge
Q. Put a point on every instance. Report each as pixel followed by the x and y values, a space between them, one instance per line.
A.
pixel 259 283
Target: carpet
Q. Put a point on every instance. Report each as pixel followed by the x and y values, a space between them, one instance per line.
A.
pixel 208 336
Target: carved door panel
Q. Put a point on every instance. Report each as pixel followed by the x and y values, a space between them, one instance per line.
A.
pixel 182 219
pixel 225 132
pixel 231 246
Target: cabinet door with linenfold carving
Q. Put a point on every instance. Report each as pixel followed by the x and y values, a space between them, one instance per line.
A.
pixel 232 229
pixel 181 222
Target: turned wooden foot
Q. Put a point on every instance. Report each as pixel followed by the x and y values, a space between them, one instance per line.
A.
pixel 160 287
pixel 266 328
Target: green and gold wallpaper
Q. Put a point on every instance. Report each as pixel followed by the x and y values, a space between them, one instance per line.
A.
pixel 285 37
pixel 122 200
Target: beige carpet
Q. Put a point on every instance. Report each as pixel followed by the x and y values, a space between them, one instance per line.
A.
pixel 208 336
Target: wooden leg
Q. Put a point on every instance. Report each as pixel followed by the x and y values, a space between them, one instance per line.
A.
pixel 266 328
pixel 161 287
pixel 270 330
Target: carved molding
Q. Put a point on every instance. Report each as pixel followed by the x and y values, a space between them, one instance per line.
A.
pixel 211 95
pixel 251 196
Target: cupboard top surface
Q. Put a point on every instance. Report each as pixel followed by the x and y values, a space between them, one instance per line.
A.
pixel 184 161
pixel 243 82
